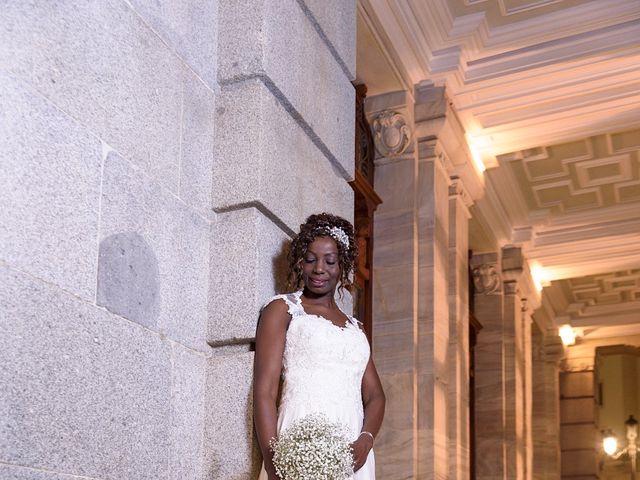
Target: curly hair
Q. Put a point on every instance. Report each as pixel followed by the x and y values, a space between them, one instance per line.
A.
pixel 320 225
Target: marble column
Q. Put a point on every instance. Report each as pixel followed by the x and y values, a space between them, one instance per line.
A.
pixel 489 368
pixel 545 421
pixel 432 222
pixel 527 386
pixel 395 285
pixel 458 357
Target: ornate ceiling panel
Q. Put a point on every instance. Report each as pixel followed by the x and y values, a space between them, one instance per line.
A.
pixel 592 173
pixel 598 305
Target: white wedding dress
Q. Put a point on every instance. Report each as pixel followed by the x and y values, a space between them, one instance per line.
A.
pixel 323 366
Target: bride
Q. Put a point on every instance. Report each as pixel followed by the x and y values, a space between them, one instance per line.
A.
pixel 320 352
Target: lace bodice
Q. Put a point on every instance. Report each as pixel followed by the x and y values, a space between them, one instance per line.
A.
pixel 323 363
pixel 322 372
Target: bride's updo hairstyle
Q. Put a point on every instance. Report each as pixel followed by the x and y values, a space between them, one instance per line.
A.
pixel 324 225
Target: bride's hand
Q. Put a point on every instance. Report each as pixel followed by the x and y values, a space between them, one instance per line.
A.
pixel 361 448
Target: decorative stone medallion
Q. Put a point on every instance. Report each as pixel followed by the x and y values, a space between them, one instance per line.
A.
pixel 390 133
pixel 486 279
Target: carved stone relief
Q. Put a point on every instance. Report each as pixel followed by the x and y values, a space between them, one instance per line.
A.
pixel 391 134
pixel 486 279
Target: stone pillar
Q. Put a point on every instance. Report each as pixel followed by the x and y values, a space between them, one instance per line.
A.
pixel 514 362
pixel 395 284
pixel 545 422
pixel 433 304
pixel 458 356
pixel 490 377
pixel 527 387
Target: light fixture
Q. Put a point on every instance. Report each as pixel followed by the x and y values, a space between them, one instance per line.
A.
pixel 610 445
pixel 567 334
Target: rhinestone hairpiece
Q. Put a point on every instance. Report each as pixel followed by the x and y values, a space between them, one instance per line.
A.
pixel 339 236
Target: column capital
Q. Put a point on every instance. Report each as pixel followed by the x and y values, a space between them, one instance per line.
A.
pixel 435 118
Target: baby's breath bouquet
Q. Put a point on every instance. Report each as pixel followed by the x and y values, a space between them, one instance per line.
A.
pixel 313 448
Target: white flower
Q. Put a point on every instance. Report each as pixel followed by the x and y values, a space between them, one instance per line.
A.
pixel 313 449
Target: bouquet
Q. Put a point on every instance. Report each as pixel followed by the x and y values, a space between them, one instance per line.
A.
pixel 313 449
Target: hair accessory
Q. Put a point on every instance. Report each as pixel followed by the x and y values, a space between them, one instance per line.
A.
pixel 339 236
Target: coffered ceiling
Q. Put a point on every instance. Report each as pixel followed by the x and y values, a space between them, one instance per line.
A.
pixel 548 95
pixel 598 306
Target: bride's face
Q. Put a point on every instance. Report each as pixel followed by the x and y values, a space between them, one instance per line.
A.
pixel 321 266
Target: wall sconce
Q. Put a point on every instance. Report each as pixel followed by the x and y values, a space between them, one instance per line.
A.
pixel 610 444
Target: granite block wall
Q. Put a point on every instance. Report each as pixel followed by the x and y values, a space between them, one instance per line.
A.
pixel 156 158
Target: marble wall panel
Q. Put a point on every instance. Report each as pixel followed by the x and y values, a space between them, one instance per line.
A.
pixel 580 436
pixel 577 410
pixel 393 177
pixel 577 384
pixel 395 442
pixel 578 462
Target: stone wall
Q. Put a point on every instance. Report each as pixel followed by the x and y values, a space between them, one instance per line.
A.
pixel 156 157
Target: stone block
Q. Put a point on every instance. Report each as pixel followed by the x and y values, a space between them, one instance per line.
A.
pixel 576 384
pixel 188 389
pixel 577 410
pixel 393 238
pixel 189 27
pixel 248 265
pixel 232 451
pixel 337 20
pixel 580 437
pixel 196 152
pixel 16 54
pixel 99 62
pixel 257 40
pixel 395 442
pixel 271 162
pixel 580 462
pixel 14 472
pixel 49 190
pixel 153 263
pixel 87 392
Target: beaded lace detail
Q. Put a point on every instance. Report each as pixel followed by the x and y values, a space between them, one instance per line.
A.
pixel 323 363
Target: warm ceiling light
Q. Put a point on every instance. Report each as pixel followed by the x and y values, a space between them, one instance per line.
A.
pixel 539 275
pixel 478 146
pixel 567 334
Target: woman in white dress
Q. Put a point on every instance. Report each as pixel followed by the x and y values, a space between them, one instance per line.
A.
pixel 320 353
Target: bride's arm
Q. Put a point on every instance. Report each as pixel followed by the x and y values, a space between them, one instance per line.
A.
pixel 270 340
pixel 373 400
